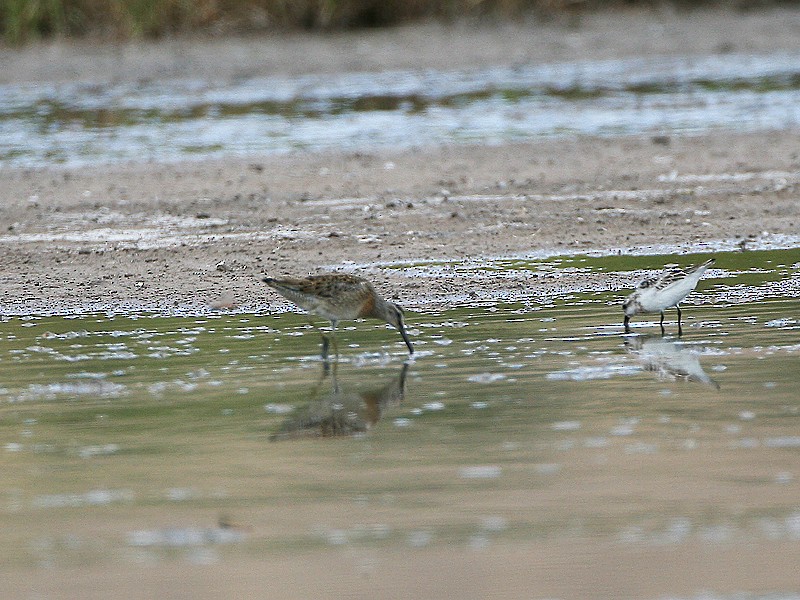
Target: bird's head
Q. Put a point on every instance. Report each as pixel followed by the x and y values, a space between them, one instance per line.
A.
pixel 631 306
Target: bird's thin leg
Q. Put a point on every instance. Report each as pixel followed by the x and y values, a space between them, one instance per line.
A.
pixel 325 340
pixel 680 328
pixel 627 324
pixel 662 322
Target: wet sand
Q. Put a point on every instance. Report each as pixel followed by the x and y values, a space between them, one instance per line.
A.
pixel 195 234
pixel 187 236
pixel 157 236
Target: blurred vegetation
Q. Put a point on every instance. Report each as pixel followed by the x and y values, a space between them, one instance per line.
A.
pixel 26 20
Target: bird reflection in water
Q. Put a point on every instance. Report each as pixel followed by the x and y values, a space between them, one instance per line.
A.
pixel 337 410
pixel 670 360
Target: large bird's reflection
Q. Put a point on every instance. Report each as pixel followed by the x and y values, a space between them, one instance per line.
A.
pixel 670 360
pixel 337 410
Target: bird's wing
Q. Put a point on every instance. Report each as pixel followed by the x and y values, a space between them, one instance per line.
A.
pixel 667 278
pixel 327 286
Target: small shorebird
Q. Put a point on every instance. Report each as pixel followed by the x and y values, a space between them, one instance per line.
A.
pixel 338 297
pixel 660 293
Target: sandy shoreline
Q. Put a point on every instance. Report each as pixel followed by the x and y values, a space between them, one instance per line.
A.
pixel 613 34
pixel 188 235
pixel 184 236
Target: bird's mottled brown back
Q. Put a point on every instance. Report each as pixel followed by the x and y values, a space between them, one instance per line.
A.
pixel 337 284
pixel 335 296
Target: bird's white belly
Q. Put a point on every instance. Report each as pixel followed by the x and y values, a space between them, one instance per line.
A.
pixel 324 309
pixel 657 300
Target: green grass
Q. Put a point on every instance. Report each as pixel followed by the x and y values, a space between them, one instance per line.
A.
pixel 23 21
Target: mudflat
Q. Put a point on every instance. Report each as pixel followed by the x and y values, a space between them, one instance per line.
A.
pixel 195 234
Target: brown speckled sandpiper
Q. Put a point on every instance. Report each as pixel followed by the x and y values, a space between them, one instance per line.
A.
pixel 338 297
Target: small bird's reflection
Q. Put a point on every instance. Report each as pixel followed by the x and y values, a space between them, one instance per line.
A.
pixel 667 358
pixel 338 411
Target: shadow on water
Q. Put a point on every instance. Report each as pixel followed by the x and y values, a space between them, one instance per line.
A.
pixel 343 408
pixel 524 426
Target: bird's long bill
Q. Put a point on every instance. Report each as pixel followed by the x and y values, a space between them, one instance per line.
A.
pixel 402 330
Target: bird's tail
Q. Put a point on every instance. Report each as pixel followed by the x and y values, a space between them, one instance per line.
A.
pixel 703 266
pixel 281 283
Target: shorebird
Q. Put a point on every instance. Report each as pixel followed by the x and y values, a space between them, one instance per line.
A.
pixel 660 293
pixel 338 297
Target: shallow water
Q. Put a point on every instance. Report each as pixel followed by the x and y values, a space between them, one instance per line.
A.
pixel 84 123
pixel 133 439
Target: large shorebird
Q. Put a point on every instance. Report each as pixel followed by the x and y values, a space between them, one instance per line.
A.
pixel 660 293
pixel 339 297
